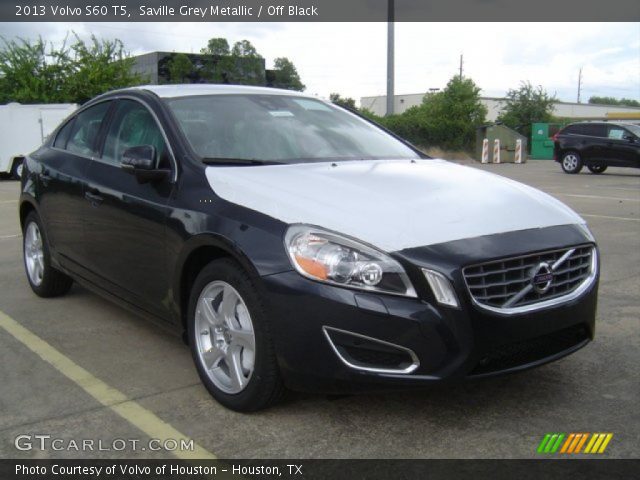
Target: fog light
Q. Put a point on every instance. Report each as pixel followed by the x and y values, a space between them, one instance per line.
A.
pixel 441 288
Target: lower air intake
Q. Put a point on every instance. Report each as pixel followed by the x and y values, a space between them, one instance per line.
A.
pixel 525 352
pixel 370 354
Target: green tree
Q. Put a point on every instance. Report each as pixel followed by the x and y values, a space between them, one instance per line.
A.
pixel 248 65
pixel 217 46
pixel 446 119
pixel 368 113
pixel 32 72
pixel 286 75
pixel 218 63
pixel 346 102
pixel 240 65
pixel 244 48
pixel 180 67
pixel 38 72
pixel 526 105
pixel 99 65
pixel 614 101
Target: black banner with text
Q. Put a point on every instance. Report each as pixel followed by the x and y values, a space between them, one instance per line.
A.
pixel 318 469
pixel 317 10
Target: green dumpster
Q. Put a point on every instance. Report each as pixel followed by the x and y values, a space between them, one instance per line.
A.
pixel 542 141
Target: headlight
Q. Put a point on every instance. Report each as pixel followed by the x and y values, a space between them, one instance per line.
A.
pixel 331 258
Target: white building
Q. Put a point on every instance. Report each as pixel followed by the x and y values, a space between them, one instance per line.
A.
pixel 378 105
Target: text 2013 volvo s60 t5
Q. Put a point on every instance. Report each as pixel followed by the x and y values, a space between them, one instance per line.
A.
pixel 295 244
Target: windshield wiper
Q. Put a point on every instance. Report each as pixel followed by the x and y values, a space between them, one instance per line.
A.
pixel 238 161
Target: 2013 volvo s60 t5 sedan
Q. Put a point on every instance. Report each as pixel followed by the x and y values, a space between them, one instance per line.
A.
pixel 297 245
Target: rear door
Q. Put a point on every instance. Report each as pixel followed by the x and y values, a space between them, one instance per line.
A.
pixel 62 182
pixel 593 141
pixel 125 231
pixel 50 118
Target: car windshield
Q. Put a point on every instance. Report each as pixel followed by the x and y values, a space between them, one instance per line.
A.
pixel 280 128
pixel 635 129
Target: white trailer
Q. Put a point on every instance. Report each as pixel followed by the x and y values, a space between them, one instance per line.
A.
pixel 23 128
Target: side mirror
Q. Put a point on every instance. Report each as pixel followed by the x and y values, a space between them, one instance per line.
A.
pixel 141 162
pixel 629 138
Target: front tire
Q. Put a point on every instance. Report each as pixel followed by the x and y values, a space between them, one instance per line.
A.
pixel 230 340
pixel 17 168
pixel 597 168
pixel 45 281
pixel 571 162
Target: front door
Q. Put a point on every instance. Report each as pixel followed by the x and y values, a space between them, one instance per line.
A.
pixel 620 150
pixel 125 231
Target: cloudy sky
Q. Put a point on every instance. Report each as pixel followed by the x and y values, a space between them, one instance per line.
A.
pixel 350 58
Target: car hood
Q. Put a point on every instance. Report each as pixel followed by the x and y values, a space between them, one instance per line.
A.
pixel 391 204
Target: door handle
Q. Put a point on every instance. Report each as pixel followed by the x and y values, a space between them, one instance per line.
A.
pixel 45 178
pixel 94 198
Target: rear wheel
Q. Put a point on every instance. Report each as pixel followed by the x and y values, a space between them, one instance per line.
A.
pixel 597 168
pixel 44 280
pixel 230 339
pixel 571 162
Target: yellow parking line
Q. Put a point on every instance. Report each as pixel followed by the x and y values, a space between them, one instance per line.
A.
pixel 131 411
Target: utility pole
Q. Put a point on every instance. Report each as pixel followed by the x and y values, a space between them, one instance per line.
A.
pixel 579 83
pixel 390 53
pixel 461 66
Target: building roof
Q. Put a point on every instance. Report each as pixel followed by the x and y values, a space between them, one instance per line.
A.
pixel 192 89
pixel 502 99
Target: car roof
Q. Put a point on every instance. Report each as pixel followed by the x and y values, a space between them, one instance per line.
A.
pixel 599 122
pixel 193 89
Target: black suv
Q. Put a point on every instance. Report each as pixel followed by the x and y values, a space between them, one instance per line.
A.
pixel 295 244
pixel 597 145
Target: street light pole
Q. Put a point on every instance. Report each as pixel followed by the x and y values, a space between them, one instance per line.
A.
pixel 390 59
pixel 579 83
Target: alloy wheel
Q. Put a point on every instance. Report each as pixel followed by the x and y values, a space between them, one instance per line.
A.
pixel 570 162
pixel 34 253
pixel 225 337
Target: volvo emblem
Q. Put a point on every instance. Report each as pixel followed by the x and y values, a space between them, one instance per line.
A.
pixel 542 277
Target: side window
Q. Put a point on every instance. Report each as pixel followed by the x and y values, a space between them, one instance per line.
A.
pixel 132 126
pixel 616 133
pixel 85 129
pixel 63 135
pixel 573 130
pixel 595 130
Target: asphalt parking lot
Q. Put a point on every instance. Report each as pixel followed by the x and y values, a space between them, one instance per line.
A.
pixel 594 390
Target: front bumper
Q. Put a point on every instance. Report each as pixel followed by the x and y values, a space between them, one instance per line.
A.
pixel 310 318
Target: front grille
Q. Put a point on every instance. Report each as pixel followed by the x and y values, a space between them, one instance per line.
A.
pixel 508 283
pixel 529 351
